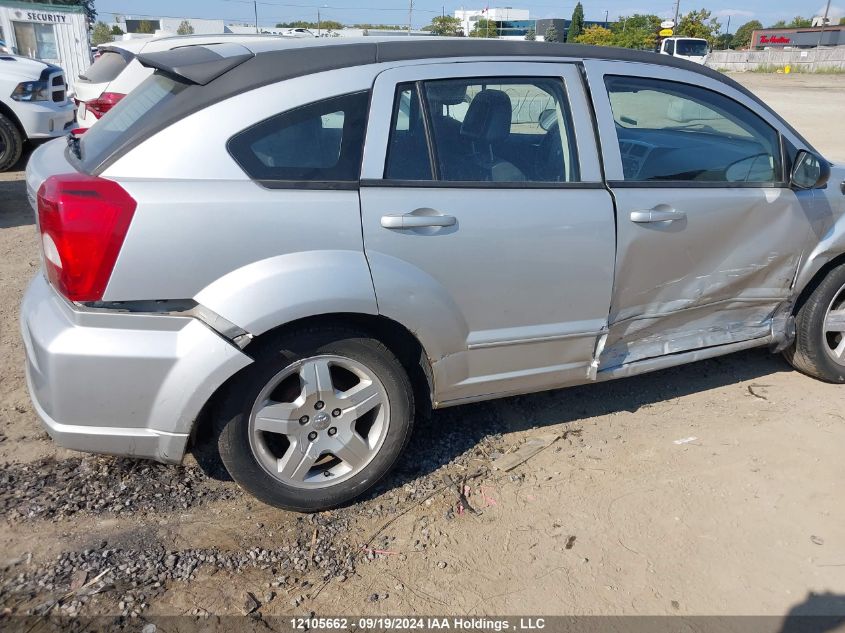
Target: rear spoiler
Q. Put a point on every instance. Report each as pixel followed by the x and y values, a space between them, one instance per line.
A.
pixel 198 64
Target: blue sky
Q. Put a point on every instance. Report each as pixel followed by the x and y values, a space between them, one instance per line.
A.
pixel 396 11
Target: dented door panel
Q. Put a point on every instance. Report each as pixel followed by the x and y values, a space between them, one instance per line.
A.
pixel 715 277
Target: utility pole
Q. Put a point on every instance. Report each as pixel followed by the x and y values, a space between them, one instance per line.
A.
pixel 605 18
pixel 677 8
pixel 410 15
pixel 824 23
pixel 318 22
pixel 255 8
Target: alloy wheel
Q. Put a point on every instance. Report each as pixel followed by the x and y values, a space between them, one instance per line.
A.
pixel 320 421
pixel 834 328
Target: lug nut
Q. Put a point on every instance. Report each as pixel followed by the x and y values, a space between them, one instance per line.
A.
pixel 336 413
pixel 303 419
pixel 319 405
pixel 326 473
pixel 332 431
pixel 312 435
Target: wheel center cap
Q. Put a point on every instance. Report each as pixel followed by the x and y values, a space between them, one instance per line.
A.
pixel 321 421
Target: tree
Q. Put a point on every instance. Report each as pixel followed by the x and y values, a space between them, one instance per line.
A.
pixel 576 27
pixel 842 21
pixel 637 31
pixel 742 37
pixel 596 35
pixel 723 41
pixel 326 25
pixel 116 30
pixel 484 28
pixel 531 36
pixel 145 26
pixel 552 34
pixel 446 25
pixel 699 24
pixel 800 23
pixel 101 34
pixel 185 28
pixel 780 24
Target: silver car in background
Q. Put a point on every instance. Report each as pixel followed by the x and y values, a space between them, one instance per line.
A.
pixel 315 242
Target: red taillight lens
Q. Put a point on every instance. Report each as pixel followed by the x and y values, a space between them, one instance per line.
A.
pixel 105 102
pixel 83 221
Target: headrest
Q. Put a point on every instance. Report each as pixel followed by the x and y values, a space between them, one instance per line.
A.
pixel 488 117
pixel 447 92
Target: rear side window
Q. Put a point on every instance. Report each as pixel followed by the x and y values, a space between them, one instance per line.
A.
pixel 141 104
pixel 318 144
pixel 105 68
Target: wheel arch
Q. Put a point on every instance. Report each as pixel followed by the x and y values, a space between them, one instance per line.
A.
pixel 815 280
pixel 395 336
pixel 7 112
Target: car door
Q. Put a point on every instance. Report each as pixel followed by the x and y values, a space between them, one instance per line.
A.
pixel 709 234
pixel 487 227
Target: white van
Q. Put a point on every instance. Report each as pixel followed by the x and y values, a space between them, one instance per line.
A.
pixel 694 49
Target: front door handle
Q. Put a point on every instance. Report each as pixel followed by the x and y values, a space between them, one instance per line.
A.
pixel 416 221
pixel 657 215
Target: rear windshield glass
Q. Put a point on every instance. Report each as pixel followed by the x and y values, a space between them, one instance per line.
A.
pixel 139 105
pixel 105 68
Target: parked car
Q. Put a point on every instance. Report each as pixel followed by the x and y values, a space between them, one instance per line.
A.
pixel 33 105
pixel 300 249
pixel 694 49
pixel 116 70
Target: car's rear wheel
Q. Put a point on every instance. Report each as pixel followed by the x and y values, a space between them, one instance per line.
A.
pixel 819 348
pixel 11 144
pixel 318 419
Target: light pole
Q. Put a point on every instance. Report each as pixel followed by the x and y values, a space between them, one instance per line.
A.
pixel 255 9
pixel 824 23
pixel 410 15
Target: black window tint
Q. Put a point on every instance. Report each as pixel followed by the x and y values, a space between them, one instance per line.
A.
pixel 407 151
pixel 678 132
pixel 319 142
pixel 499 129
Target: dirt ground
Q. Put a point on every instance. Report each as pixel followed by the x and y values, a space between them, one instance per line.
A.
pixel 714 488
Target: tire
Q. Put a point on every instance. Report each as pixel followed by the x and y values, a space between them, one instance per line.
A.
pixel 11 144
pixel 284 387
pixel 819 351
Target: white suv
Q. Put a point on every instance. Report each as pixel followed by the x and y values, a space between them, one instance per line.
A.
pixel 117 71
pixel 33 105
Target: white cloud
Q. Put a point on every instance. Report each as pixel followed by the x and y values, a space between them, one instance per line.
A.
pixel 734 13
pixel 834 14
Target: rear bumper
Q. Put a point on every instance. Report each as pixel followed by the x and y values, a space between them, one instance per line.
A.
pixel 46 119
pixel 120 383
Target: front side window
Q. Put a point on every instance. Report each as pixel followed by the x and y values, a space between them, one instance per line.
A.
pixel 482 130
pixel 321 142
pixel 669 131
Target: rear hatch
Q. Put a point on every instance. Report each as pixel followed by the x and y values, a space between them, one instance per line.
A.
pixel 94 83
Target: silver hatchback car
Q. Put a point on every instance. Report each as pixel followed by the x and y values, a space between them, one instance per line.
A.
pixel 307 245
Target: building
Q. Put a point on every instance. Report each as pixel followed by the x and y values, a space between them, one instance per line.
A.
pixel 470 17
pixel 833 35
pixel 149 26
pixel 515 24
pixel 57 34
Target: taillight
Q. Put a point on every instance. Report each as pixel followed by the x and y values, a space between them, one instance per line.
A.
pixel 83 221
pixel 102 104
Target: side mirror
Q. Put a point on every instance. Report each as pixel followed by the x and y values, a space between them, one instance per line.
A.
pixel 809 171
pixel 547 119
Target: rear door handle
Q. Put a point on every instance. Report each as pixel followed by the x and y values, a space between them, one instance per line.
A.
pixel 657 215
pixel 414 221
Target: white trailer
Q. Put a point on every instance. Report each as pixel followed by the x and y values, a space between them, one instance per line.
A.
pixel 56 34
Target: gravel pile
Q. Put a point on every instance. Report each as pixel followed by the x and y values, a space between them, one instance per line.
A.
pixel 321 551
pixel 51 489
